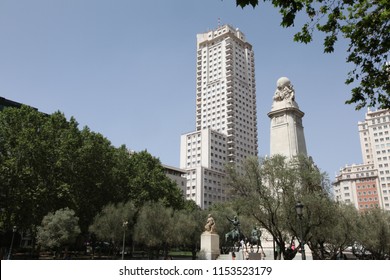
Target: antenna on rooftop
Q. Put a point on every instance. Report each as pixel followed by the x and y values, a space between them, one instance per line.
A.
pixel 219 22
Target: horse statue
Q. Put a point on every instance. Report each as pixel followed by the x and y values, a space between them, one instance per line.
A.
pixel 234 236
pixel 255 239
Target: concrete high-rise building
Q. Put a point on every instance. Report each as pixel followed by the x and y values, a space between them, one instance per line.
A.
pixel 370 181
pixel 226 119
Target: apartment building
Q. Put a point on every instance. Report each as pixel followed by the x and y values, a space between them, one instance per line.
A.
pixel 226 116
pixel 370 180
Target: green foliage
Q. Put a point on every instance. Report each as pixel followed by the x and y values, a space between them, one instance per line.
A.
pixel 374 233
pixel 261 191
pixel 58 229
pixel 33 168
pixel 191 206
pixel 121 174
pixel 148 182
pixel 222 211
pixel 155 227
pixel 159 227
pixel 367 26
pixel 190 223
pixel 268 191
pixel 188 226
pixel 47 162
pixel 333 227
pixel 93 185
pixel 110 223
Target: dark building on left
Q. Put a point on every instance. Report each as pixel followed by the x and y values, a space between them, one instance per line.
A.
pixel 4 103
pixel 8 103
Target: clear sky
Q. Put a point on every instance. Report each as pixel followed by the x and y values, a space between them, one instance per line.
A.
pixel 127 69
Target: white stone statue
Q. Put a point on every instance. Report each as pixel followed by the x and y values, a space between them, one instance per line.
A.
pixel 284 90
pixel 210 225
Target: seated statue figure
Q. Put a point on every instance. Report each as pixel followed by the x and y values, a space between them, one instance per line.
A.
pixel 210 225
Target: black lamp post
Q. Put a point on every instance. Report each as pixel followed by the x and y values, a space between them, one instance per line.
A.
pixel 124 237
pixel 12 242
pixel 299 209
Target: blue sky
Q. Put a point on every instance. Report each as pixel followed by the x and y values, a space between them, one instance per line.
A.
pixel 126 69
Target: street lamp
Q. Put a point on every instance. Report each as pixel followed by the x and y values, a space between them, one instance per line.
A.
pixel 299 209
pixel 124 237
pixel 12 242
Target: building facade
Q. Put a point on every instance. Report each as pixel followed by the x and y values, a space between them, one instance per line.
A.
pixel 177 175
pixel 357 184
pixel 370 180
pixel 226 116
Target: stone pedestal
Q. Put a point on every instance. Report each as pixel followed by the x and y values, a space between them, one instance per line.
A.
pixel 287 136
pixel 209 246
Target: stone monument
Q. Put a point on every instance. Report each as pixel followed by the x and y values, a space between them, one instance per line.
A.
pixel 209 241
pixel 287 137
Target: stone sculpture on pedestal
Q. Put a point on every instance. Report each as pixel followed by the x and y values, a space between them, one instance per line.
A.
pixel 209 241
pixel 286 137
pixel 210 225
pixel 284 90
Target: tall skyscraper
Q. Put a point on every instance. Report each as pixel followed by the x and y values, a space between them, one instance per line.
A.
pixel 226 119
pixel 367 185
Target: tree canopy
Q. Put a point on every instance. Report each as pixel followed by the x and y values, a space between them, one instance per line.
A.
pixel 48 163
pixel 365 23
pixel 58 229
pixel 268 190
pixel 110 223
pixel 374 233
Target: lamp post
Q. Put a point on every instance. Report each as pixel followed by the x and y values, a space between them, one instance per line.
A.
pixel 124 237
pixel 299 209
pixel 12 242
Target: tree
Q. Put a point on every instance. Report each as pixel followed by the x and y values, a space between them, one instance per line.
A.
pixel 92 183
pixel 155 228
pixel 121 172
pixel 148 182
pixel 335 230
pixel 18 144
pixel 365 23
pixel 374 233
pixel 268 190
pixel 261 191
pixel 35 153
pixel 190 223
pixel 328 228
pixel 47 162
pixel 58 229
pixel 112 221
